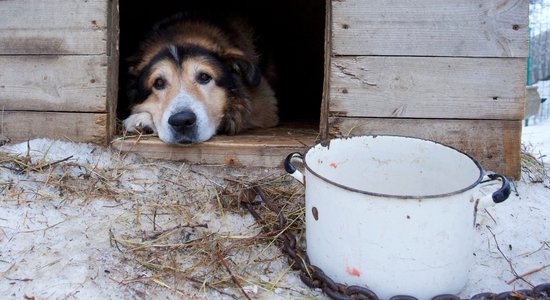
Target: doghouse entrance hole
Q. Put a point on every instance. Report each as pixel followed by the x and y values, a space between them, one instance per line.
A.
pixel 290 33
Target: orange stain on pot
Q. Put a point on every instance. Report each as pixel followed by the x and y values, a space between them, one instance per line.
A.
pixel 353 272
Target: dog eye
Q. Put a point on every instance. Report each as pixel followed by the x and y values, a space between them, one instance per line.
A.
pixel 159 83
pixel 204 78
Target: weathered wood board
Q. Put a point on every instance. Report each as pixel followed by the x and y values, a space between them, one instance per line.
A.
pixel 495 143
pixel 428 87
pixel 453 72
pixel 261 147
pixel 78 127
pixel 59 69
pixel 53 26
pixel 473 28
pixel 113 58
pixel 448 71
pixel 76 83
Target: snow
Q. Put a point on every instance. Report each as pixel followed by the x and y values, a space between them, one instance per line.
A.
pixel 57 243
pixel 537 139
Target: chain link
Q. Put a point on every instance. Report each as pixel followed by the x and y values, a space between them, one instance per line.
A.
pixel 315 278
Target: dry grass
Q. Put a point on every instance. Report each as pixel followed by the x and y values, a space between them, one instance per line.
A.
pixel 184 230
pixel 534 168
pixel 70 180
pixel 222 258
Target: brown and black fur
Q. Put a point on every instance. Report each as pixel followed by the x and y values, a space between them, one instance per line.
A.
pixel 235 98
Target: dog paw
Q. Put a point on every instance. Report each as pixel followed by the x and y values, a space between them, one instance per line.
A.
pixel 140 123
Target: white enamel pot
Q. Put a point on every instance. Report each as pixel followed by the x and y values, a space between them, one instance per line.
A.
pixel 394 214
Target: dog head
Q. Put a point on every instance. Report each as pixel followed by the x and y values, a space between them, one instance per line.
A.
pixel 189 89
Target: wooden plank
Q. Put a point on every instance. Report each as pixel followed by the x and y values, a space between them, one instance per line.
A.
pixel 78 127
pixel 494 143
pixel 491 28
pixel 262 147
pixel 53 83
pixel 53 27
pixel 323 124
pixel 113 57
pixel 428 87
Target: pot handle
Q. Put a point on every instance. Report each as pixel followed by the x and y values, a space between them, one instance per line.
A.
pixel 497 197
pixel 291 169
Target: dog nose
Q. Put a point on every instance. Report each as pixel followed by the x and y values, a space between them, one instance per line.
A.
pixel 182 120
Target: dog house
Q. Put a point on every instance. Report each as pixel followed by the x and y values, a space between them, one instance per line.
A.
pixel 449 71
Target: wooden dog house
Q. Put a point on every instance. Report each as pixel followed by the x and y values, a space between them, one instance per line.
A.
pixel 450 71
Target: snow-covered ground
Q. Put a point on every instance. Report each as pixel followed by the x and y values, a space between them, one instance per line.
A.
pixel 69 211
pixel 537 139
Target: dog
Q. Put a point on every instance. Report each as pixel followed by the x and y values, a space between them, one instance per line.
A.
pixel 193 78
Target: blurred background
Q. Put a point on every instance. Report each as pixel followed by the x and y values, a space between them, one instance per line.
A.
pixel 538 65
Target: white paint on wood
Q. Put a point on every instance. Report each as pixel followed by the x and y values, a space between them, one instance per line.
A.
pixel 53 27
pixel 428 87
pixel 53 83
pixel 488 28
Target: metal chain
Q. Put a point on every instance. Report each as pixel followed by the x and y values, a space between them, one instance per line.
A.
pixel 315 278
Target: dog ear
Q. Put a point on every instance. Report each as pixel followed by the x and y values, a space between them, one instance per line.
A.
pixel 248 70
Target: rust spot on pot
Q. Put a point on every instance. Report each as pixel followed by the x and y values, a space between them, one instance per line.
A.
pixel 315 213
pixel 353 272
pixel 231 161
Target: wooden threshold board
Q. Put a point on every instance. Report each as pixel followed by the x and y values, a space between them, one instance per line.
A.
pixel 258 148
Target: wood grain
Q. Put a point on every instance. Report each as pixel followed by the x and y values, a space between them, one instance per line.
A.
pixel 491 28
pixel 495 143
pixel 323 124
pixel 428 87
pixel 113 57
pixel 78 127
pixel 262 147
pixel 53 83
pixel 53 26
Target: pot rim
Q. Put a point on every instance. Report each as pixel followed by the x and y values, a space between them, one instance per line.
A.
pixel 327 144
